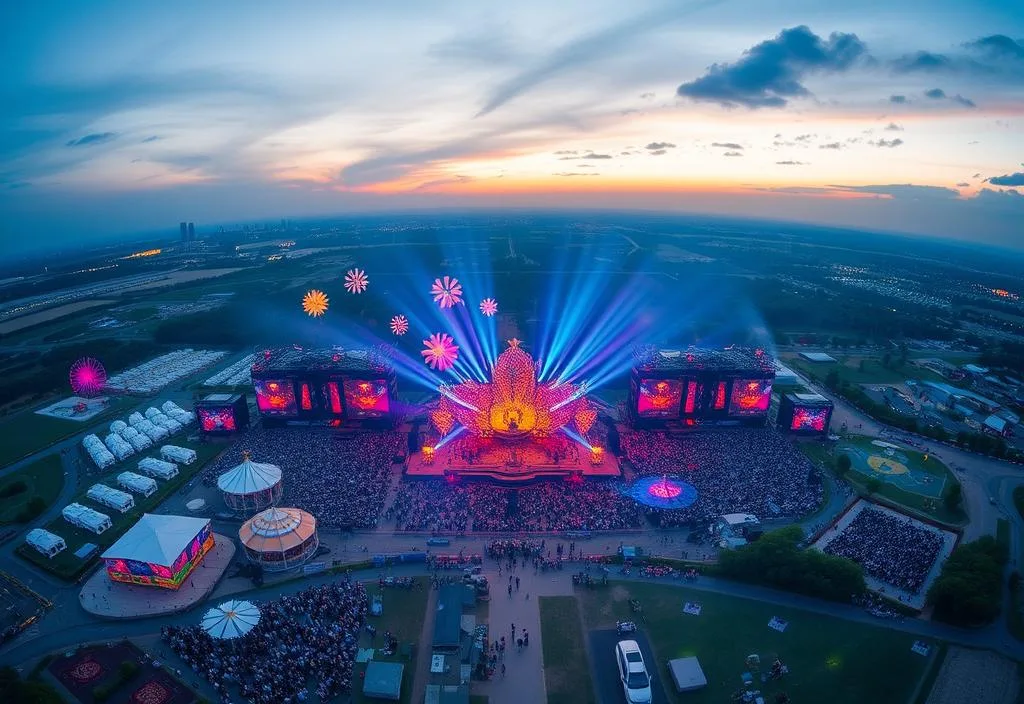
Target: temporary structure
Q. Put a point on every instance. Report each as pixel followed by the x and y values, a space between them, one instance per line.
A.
pixel 159 550
pixel 279 538
pixel 137 483
pixel 158 468
pixel 181 455
pixel 45 542
pixel 232 619
pixel 118 446
pixel 250 486
pixel 98 452
pixel 84 517
pixel 111 498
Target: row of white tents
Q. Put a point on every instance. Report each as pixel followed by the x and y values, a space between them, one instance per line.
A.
pixel 237 374
pixel 138 434
pixel 163 370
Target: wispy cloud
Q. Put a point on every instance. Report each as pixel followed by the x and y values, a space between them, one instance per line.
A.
pixel 887 143
pixel 95 138
pixel 727 145
pixel 1015 179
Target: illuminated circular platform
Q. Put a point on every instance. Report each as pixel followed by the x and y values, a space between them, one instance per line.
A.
pixel 669 493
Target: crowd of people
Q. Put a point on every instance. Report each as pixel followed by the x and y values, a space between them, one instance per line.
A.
pixel 740 470
pixel 309 635
pixel 891 548
pixel 341 478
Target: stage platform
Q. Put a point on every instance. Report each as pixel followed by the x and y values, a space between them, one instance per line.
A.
pixel 510 463
pixel 102 597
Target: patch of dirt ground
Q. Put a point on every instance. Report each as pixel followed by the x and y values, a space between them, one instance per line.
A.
pixel 975 676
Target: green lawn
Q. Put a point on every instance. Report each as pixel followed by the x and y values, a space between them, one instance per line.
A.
pixel 404 614
pixel 851 370
pixel 27 432
pixel 930 507
pixel 68 567
pixel 829 659
pixel 43 478
pixel 566 674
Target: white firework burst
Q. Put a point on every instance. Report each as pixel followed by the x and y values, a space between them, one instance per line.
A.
pixel 447 292
pixel 399 325
pixel 356 281
pixel 488 307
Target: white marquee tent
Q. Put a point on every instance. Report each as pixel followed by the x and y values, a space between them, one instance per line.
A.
pixel 118 446
pixel 137 483
pixel 181 455
pixel 158 468
pixel 111 498
pixel 44 541
pixel 98 452
pixel 84 517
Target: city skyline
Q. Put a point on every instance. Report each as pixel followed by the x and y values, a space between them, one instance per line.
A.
pixel 904 119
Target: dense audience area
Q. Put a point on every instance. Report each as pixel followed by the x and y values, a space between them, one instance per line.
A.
pixel 430 505
pixel 312 634
pixel 893 549
pixel 341 478
pixel 743 470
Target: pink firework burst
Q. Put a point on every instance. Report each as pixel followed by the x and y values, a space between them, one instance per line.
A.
pixel 439 351
pixel 356 281
pixel 87 377
pixel 488 307
pixel 399 325
pixel 447 292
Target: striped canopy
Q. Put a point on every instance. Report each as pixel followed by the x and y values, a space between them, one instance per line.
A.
pixel 232 619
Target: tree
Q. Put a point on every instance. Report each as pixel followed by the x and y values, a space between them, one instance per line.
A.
pixel 832 379
pixel 886 359
pixel 843 464
pixel 953 498
pixel 969 590
pixel 873 485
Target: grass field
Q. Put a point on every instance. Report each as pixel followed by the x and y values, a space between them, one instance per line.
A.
pixel 851 370
pixel 931 507
pixel 68 567
pixel 566 675
pixel 43 478
pixel 27 432
pixel 404 614
pixel 829 659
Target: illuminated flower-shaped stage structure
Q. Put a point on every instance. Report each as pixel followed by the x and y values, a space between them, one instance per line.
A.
pixel 515 403
pixel 514 428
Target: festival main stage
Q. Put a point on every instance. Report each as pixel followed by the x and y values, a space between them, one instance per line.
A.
pixel 514 428
pixel 512 462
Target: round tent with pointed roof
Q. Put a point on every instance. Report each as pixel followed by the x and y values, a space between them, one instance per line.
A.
pixel 251 486
pixel 232 619
pixel 279 538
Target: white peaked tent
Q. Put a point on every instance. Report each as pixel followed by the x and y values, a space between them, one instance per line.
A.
pixel 45 542
pixel 118 426
pixel 232 619
pixel 250 485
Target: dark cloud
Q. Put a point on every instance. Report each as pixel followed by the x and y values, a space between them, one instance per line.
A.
pixel 887 143
pixel 804 137
pixel 727 145
pixel 790 163
pixel 898 99
pixel 733 154
pixel 904 190
pixel 966 102
pixel 658 152
pixel 95 138
pixel 587 156
pixel 151 139
pixel 998 46
pixel 893 127
pixel 830 145
pixel 567 151
pixel 939 94
pixel 1015 179
pixel 935 94
pixel 963 184
pixel 575 173
pixel 923 61
pixel 646 96
pixel 660 145
pixel 770 73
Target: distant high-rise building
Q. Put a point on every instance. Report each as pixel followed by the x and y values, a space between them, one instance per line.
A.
pixel 191 232
pixel 184 231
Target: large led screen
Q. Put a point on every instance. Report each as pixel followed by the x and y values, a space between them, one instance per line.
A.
pixel 217 420
pixel 750 397
pixel 659 398
pixel 275 397
pixel 366 398
pixel 810 419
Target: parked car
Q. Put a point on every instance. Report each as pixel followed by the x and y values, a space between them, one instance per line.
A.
pixel 636 683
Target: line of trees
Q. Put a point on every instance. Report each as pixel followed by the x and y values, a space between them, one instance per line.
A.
pixel 778 560
pixel 969 590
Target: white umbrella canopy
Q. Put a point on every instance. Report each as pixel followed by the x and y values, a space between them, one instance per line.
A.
pixel 232 619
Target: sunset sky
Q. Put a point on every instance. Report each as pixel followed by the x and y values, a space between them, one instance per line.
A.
pixel 126 116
